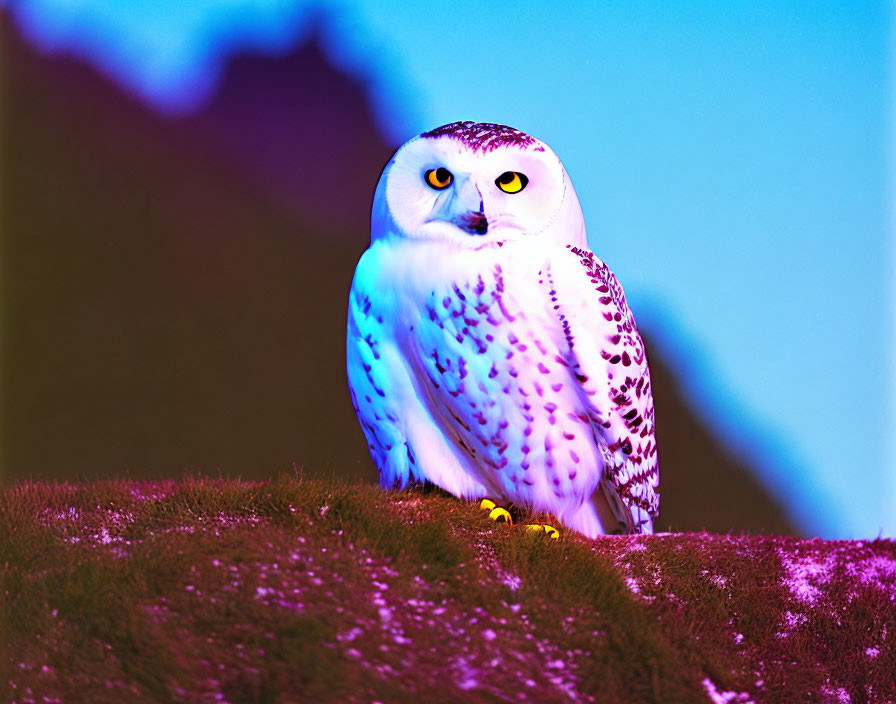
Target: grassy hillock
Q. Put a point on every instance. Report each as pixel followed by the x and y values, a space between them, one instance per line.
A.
pixel 303 590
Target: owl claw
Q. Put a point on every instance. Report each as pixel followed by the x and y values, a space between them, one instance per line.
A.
pixel 551 532
pixel 500 514
pixel 496 513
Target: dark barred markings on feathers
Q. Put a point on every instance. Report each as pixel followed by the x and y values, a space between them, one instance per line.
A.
pixel 482 136
pixel 632 399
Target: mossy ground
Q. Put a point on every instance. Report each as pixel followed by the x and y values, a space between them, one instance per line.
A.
pixel 304 590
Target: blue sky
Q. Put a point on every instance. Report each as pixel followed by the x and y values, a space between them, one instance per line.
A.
pixel 732 159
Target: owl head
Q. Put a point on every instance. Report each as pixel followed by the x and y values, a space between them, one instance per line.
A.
pixel 469 183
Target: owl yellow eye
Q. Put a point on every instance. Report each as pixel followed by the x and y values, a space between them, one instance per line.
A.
pixel 439 178
pixel 511 181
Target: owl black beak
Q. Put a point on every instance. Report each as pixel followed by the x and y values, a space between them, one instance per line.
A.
pixel 463 206
pixel 474 222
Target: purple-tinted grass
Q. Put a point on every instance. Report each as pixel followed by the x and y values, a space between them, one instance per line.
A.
pixel 305 590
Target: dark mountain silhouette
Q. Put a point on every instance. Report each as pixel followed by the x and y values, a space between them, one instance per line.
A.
pixel 703 483
pixel 174 292
pixel 302 133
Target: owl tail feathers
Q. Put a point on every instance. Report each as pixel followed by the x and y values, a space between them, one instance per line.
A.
pixel 632 519
pixel 642 521
pixel 595 517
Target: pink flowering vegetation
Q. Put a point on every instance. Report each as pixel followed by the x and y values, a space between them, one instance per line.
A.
pixel 304 590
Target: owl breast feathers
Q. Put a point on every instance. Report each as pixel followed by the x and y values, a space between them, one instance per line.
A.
pixel 489 351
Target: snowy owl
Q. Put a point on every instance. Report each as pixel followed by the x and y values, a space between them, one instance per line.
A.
pixel 489 351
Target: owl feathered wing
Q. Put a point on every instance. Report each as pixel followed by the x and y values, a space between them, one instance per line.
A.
pixel 479 384
pixel 609 362
pixel 386 393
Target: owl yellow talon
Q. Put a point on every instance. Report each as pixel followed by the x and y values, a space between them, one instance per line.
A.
pixel 551 532
pixel 496 513
pixel 500 514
